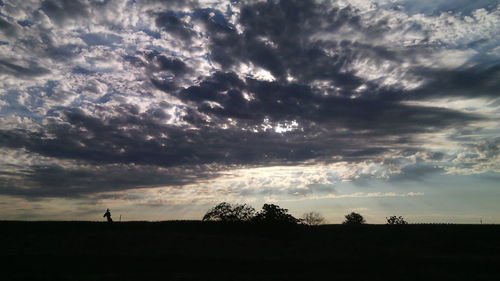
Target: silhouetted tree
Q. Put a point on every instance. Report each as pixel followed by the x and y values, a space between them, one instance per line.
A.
pixel 353 219
pixel 226 212
pixel 313 218
pixel 396 220
pixel 275 215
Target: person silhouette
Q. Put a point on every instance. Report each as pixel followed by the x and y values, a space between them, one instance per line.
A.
pixel 108 216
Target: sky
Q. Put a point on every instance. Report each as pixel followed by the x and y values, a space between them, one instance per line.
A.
pixel 160 109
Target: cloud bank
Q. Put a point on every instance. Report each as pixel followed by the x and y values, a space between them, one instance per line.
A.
pixel 109 96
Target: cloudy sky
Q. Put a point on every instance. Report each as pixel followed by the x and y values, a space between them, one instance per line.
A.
pixel 159 109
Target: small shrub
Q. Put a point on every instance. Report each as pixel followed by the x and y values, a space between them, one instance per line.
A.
pixel 393 220
pixel 226 212
pixel 274 214
pixel 353 219
pixel 313 218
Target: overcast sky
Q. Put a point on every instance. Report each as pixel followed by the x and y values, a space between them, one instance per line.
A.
pixel 159 109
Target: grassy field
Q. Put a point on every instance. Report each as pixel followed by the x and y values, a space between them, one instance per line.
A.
pixel 193 250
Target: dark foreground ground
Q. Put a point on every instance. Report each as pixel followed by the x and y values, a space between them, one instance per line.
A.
pixel 206 251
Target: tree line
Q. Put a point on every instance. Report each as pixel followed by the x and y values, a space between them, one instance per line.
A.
pixel 274 214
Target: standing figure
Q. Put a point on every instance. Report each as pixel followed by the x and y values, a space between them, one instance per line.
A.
pixel 108 216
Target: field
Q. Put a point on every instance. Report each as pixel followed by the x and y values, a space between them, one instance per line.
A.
pixel 193 250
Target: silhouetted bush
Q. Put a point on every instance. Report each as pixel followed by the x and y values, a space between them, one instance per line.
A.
pixel 313 218
pixel 273 214
pixel 396 220
pixel 353 219
pixel 226 212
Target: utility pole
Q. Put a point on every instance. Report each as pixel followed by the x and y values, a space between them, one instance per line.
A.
pixel 120 218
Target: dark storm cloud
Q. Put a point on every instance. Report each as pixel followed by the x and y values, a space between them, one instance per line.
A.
pixel 278 37
pixel 214 89
pixel 8 28
pixel 287 38
pixel 176 66
pixel 381 112
pixel 168 70
pixel 21 71
pixel 479 81
pixel 60 11
pixel 59 181
pixel 172 23
pixel 143 138
pixel 62 52
pixel 282 37
pixel 163 64
pixel 125 147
